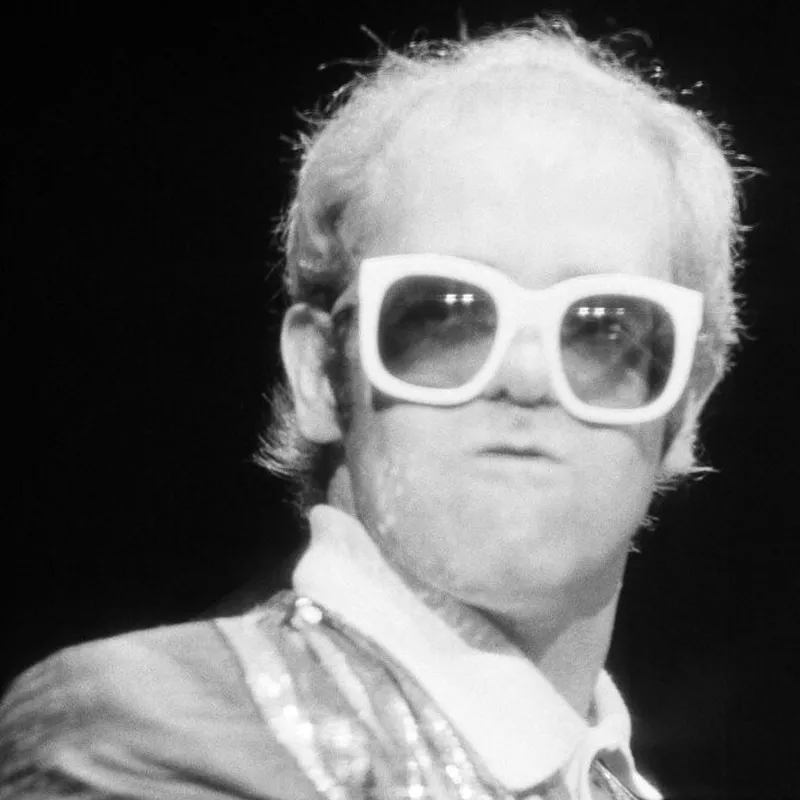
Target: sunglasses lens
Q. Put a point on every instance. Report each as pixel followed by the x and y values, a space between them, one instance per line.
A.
pixel 617 351
pixel 436 332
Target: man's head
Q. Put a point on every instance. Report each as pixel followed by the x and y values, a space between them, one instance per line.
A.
pixel 535 154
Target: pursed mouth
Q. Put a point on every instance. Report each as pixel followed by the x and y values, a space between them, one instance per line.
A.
pixel 529 452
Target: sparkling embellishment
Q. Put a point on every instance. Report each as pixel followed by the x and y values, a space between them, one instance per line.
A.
pixel 347 747
pixel 307 612
pixel 346 680
pixel 273 691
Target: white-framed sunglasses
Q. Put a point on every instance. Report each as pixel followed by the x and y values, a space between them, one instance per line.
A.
pixel 435 329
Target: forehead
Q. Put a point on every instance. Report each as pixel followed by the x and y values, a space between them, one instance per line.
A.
pixel 540 193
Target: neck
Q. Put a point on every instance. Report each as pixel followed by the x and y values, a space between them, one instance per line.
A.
pixel 570 655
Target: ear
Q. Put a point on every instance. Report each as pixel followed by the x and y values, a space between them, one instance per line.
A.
pixel 304 348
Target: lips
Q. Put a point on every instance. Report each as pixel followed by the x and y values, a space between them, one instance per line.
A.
pixel 528 450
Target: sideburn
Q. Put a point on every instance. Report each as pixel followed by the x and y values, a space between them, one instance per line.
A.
pixel 338 367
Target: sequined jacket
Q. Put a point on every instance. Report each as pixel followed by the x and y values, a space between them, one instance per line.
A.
pixel 286 702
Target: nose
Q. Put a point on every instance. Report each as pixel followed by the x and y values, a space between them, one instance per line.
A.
pixel 523 376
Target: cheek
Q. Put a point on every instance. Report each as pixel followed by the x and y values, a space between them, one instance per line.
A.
pixel 389 460
pixel 378 464
pixel 619 470
pixel 647 446
pixel 405 489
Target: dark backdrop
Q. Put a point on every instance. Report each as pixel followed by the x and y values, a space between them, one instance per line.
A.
pixel 147 167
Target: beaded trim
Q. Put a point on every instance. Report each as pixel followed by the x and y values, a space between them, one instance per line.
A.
pixel 273 690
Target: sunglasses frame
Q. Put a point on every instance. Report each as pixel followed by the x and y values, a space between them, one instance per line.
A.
pixel 516 307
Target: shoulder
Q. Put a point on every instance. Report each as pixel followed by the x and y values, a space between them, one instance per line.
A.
pixel 145 714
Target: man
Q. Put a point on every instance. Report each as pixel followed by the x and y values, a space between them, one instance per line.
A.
pixel 510 262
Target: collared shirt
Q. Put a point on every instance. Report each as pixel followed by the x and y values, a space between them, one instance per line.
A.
pixel 513 718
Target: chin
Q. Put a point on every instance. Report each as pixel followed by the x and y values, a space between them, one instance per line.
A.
pixel 542 585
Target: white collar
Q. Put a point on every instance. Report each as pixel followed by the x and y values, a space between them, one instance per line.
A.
pixel 504 707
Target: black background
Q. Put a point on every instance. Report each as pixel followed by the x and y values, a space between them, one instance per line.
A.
pixel 147 168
